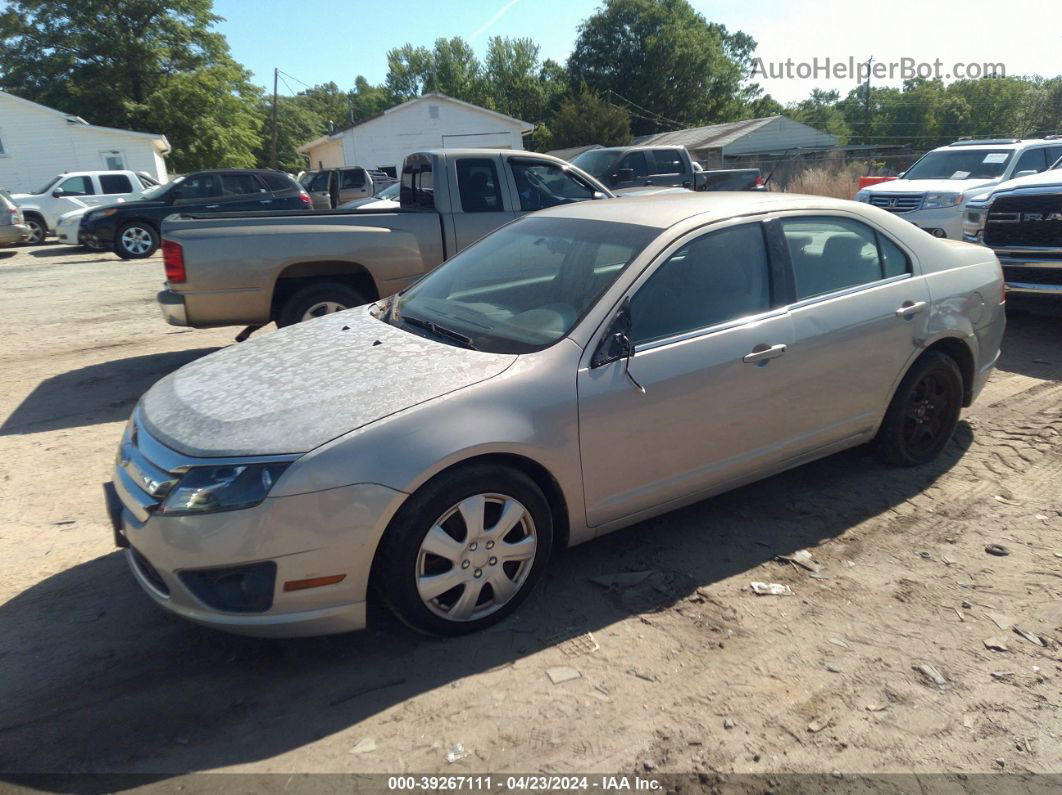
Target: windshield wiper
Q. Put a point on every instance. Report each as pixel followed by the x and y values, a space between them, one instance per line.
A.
pixel 438 330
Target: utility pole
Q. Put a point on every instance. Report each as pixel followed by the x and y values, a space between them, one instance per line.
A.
pixel 866 106
pixel 273 155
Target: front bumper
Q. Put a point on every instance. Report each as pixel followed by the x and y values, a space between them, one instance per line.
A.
pixel 1032 276
pixel 173 308
pixel 14 233
pixel 292 538
pixel 98 234
pixel 69 232
pixel 946 219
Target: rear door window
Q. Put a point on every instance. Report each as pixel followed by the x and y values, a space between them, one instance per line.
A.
pixel 830 254
pixel 477 182
pixel 666 161
pixel 239 185
pixel 115 183
pixel 277 182
pixel 352 178
pixel 196 187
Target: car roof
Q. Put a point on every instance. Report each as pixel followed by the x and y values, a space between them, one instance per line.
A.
pixel 1003 143
pixel 662 211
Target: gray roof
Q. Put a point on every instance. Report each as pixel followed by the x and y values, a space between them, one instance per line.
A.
pixel 573 151
pixel 711 136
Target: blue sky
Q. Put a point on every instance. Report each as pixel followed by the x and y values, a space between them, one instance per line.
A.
pixel 321 40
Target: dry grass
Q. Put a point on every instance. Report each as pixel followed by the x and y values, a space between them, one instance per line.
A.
pixel 839 182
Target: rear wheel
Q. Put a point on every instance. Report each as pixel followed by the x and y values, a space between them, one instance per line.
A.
pixel 923 413
pixel 38 230
pixel 465 550
pixel 136 240
pixel 316 300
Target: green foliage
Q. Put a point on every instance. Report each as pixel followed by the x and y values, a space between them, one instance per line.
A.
pixel 821 111
pixel 585 118
pixel 450 68
pixel 665 59
pixel 150 65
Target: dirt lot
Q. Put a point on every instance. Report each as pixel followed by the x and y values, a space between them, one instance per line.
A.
pixel 685 671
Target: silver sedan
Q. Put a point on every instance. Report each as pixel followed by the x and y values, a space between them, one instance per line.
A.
pixel 576 371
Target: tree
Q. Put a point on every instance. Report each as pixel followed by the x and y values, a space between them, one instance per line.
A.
pixel 514 78
pixel 821 111
pixel 151 65
pixel 450 68
pixel 297 124
pixel 664 61
pixel 587 119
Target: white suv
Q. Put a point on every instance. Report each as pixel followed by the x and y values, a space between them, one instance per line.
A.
pixel 76 190
pixel 932 192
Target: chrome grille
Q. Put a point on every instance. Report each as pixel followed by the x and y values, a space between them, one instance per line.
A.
pixel 897 202
pixel 141 484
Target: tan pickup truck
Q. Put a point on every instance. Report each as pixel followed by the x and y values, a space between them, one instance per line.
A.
pixel 287 266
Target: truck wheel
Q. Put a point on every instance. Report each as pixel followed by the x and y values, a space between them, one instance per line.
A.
pixel 37 229
pixel 465 550
pixel 317 300
pixel 136 240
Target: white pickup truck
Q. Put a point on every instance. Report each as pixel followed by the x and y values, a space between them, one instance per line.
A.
pixel 931 193
pixel 76 190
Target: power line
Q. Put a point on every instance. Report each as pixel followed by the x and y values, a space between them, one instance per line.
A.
pixel 294 78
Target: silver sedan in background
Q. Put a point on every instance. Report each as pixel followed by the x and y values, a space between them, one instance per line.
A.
pixel 576 371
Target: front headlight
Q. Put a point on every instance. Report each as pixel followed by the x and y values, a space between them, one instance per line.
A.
pixel 862 196
pixel 221 488
pixel 973 224
pixel 935 201
pixel 107 213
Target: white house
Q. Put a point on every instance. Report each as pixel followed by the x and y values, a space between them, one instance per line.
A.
pixel 37 142
pixel 431 121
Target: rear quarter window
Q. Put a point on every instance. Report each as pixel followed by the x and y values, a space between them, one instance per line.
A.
pixel 278 182
pixel 115 183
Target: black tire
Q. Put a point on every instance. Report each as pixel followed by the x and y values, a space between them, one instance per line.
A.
pixel 38 230
pixel 136 240
pixel 296 307
pixel 923 413
pixel 396 568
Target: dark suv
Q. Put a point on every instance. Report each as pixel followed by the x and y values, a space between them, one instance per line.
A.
pixel 131 229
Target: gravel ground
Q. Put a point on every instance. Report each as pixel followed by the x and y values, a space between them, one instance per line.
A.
pixel 685 671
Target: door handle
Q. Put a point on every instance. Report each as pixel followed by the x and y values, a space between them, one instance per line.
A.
pixel 762 354
pixel 212 207
pixel 910 308
pixel 265 201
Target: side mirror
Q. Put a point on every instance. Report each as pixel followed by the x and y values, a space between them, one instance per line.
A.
pixel 623 175
pixel 599 195
pixel 1026 173
pixel 58 194
pixel 616 344
pixel 900 175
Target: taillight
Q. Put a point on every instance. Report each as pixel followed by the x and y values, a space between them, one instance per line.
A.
pixel 14 219
pixel 173 259
pixel 759 181
pixel 306 199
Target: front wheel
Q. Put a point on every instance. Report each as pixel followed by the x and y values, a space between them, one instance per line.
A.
pixel 465 550
pixel 923 413
pixel 37 230
pixel 136 240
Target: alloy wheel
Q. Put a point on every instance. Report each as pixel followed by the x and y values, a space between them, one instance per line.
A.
pixel 36 229
pixel 925 415
pixel 322 308
pixel 137 240
pixel 476 557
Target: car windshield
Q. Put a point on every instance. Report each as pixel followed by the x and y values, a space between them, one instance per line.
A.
pixel 47 186
pixel 522 288
pixel 598 163
pixel 157 191
pixel 961 164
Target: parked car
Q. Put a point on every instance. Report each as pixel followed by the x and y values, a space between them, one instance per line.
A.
pixel 577 371
pixel 131 229
pixel 932 192
pixel 1021 221
pixel 332 187
pixel 13 228
pixel 624 167
pixel 75 190
pixel 731 179
pixel 385 199
pixel 252 268
pixel 68 227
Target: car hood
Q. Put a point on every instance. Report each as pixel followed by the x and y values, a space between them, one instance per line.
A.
pixel 930 185
pixel 300 387
pixel 1049 178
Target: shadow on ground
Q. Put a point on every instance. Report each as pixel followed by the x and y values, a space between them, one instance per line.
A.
pixel 1032 345
pixel 95 394
pixel 95 678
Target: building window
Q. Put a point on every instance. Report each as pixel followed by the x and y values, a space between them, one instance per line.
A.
pixel 113 160
pixel 433 111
